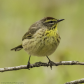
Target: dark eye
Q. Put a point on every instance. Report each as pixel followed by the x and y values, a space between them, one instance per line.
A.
pixel 50 22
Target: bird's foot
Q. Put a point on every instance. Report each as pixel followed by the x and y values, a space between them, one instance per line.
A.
pixel 51 63
pixel 28 65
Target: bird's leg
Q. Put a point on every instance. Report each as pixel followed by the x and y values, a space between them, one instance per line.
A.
pixel 28 64
pixel 50 62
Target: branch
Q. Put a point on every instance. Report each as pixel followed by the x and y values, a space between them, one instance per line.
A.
pixel 38 64
pixel 76 81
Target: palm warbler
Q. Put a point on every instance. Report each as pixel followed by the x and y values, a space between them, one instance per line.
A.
pixel 41 39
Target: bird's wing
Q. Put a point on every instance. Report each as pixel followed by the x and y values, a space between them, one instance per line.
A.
pixel 32 30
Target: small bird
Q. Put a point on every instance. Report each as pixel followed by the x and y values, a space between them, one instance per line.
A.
pixel 41 39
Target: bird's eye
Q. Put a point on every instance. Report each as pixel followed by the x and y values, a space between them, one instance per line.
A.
pixel 50 22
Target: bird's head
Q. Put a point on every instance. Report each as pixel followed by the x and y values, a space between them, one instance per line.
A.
pixel 51 22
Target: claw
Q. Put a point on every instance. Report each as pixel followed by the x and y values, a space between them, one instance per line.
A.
pixel 28 65
pixel 50 62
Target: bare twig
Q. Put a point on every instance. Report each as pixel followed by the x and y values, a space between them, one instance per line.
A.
pixel 38 64
pixel 76 81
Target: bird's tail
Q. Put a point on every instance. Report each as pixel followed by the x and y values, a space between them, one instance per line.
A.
pixel 17 48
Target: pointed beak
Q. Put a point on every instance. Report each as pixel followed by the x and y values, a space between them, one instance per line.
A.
pixel 60 20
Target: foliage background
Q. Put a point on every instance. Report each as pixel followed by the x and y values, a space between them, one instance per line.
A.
pixel 16 16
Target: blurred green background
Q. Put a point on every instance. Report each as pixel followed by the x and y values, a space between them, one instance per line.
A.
pixel 16 16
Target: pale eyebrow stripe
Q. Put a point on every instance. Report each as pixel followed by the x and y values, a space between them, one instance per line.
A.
pixel 50 20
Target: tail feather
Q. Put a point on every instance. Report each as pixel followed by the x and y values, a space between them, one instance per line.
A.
pixel 17 48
